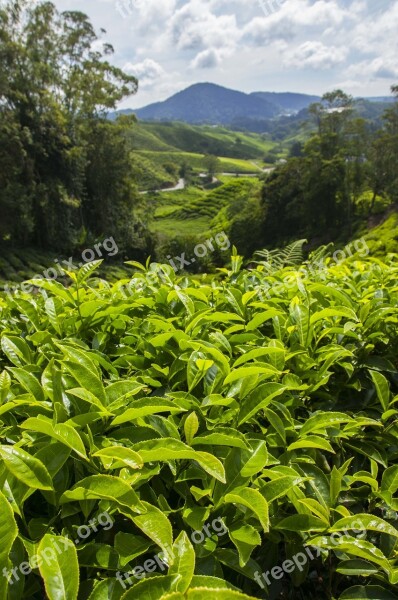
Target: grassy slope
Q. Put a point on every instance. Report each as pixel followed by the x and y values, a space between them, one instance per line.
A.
pixel 150 175
pixel 156 144
pixel 143 139
pixel 199 140
pixel 191 212
pixel 384 237
pixel 230 165
pixel 378 226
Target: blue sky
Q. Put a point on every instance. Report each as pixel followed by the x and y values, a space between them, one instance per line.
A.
pixel 309 46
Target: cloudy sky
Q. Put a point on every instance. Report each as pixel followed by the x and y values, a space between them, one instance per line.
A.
pixel 309 46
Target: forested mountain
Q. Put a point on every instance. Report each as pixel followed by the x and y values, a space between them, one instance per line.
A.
pixel 288 101
pixel 208 103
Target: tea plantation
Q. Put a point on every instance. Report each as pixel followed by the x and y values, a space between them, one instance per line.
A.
pixel 167 437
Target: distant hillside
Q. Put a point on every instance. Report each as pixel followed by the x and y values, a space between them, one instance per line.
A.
pixel 287 101
pixel 372 109
pixel 388 99
pixel 208 103
pixel 260 112
pixel 201 139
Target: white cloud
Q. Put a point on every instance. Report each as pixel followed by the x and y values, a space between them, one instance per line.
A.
pixel 315 55
pixel 294 18
pixel 377 32
pixel 207 59
pixel 195 27
pixel 147 15
pixel 374 69
pixel 147 72
pixel 305 45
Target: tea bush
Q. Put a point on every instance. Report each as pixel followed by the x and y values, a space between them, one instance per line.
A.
pixel 265 403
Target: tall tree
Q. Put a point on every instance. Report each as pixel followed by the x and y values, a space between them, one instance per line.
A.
pixel 56 82
pixel 391 148
pixel 314 195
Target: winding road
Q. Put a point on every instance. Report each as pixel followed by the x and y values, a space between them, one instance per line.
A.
pixel 181 182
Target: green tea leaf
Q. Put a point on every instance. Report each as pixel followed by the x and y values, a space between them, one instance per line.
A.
pixel 216 594
pixel 389 482
pixel 59 567
pixel 301 523
pixel 368 592
pixel 245 538
pixel 62 433
pixel 191 427
pixel 280 487
pixel 323 421
pixel 257 460
pixel 143 408
pixel 221 436
pixel 98 487
pixel 157 527
pixel 356 567
pixel 122 455
pixel 184 562
pixel 311 441
pixel 8 533
pixel 382 388
pixel 26 468
pixel 365 522
pixel 108 589
pixel 260 399
pixel 252 499
pixel 244 372
pixel 169 449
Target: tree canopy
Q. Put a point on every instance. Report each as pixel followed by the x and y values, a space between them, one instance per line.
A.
pixel 56 85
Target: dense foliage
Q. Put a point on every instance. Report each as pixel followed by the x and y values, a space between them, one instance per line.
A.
pixel 316 192
pixel 65 172
pixel 264 401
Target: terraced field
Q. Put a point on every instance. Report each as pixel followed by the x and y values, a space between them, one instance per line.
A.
pixel 191 211
pixel 194 160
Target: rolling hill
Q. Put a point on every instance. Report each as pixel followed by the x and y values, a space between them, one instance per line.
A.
pixel 199 139
pixel 160 150
pixel 208 103
pixel 287 102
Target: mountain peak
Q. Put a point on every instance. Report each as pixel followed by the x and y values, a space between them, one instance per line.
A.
pixel 208 103
pixel 213 104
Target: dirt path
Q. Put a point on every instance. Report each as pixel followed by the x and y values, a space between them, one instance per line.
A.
pixel 180 186
pixel 181 182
